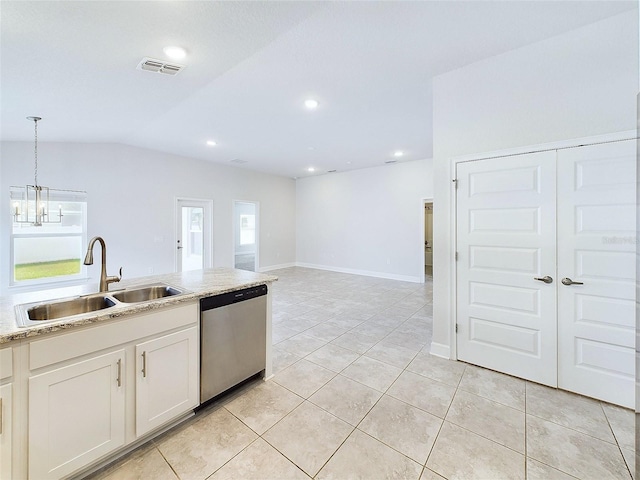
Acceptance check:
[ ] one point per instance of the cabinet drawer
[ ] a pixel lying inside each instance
(68, 345)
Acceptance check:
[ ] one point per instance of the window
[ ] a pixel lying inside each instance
(52, 252)
(247, 229)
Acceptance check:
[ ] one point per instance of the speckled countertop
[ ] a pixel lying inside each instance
(198, 283)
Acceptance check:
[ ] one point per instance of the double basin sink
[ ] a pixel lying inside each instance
(31, 314)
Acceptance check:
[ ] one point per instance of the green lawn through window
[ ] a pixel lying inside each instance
(31, 271)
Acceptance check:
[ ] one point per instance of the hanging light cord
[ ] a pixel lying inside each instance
(35, 173)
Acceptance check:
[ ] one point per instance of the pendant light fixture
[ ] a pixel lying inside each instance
(32, 203)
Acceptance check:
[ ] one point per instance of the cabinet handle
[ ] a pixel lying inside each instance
(546, 279)
(119, 379)
(144, 364)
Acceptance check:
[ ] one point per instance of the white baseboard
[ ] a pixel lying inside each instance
(440, 350)
(367, 273)
(276, 267)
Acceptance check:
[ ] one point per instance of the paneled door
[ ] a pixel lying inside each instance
(596, 270)
(506, 235)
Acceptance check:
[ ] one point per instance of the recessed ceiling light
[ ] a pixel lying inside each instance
(398, 153)
(211, 143)
(311, 104)
(176, 53)
(311, 169)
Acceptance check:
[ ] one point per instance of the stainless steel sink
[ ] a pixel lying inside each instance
(36, 313)
(67, 308)
(144, 294)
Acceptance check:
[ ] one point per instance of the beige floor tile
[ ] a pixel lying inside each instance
(264, 405)
(325, 332)
(145, 463)
(195, 452)
(495, 386)
(301, 344)
(259, 461)
(333, 357)
(569, 410)
(424, 393)
(408, 340)
(280, 333)
(461, 454)
(622, 421)
(308, 436)
(372, 373)
(430, 475)
(373, 330)
(540, 471)
(573, 452)
(357, 342)
(630, 459)
(346, 399)
(407, 429)
(392, 354)
(495, 421)
(440, 369)
(386, 320)
(303, 377)
(282, 359)
(345, 321)
(363, 457)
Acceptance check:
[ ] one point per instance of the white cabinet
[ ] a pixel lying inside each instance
(6, 412)
(166, 378)
(76, 415)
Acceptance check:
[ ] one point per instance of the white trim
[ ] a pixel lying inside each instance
(277, 267)
(440, 350)
(366, 273)
(572, 143)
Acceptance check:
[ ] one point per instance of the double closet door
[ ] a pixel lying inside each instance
(546, 248)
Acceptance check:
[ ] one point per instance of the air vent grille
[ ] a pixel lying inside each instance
(158, 66)
(239, 161)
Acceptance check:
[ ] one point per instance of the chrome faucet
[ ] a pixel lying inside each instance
(88, 260)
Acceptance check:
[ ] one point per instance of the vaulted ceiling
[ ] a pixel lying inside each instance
(249, 68)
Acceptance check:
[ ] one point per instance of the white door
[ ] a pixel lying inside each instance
(76, 415)
(506, 235)
(245, 241)
(193, 234)
(166, 378)
(596, 247)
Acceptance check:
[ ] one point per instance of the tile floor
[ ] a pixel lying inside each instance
(357, 395)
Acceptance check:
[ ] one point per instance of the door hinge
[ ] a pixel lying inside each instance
(456, 328)
(456, 256)
(455, 183)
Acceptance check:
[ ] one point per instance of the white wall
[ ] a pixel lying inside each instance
(575, 85)
(131, 202)
(368, 221)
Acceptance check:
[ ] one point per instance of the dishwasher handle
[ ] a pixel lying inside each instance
(230, 298)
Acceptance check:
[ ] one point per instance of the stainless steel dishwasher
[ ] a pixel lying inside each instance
(232, 339)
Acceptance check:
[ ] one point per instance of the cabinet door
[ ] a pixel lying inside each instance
(76, 415)
(5, 431)
(166, 378)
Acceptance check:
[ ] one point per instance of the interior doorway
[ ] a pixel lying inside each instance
(245, 228)
(193, 234)
(428, 239)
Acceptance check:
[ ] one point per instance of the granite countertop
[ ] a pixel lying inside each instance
(198, 284)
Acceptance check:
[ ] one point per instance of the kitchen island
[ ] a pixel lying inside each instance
(76, 393)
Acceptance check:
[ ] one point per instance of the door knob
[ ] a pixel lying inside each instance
(568, 281)
(545, 279)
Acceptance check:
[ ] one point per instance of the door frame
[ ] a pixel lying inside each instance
(423, 202)
(453, 212)
(207, 239)
(233, 232)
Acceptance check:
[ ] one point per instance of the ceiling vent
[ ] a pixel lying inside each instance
(238, 161)
(158, 66)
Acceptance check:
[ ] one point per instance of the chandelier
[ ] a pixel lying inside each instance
(32, 203)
